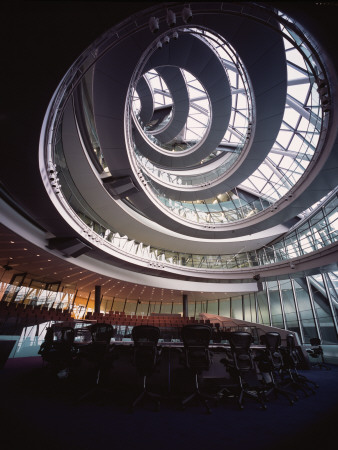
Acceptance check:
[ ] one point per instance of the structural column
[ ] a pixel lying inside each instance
(185, 305)
(97, 299)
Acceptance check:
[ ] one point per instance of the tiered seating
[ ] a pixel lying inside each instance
(15, 316)
(161, 321)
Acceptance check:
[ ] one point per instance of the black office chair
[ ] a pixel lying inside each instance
(216, 334)
(291, 363)
(196, 338)
(145, 358)
(271, 365)
(57, 350)
(241, 367)
(316, 352)
(98, 354)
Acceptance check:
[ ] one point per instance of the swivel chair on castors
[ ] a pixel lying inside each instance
(98, 354)
(57, 350)
(271, 366)
(196, 340)
(242, 367)
(316, 352)
(145, 358)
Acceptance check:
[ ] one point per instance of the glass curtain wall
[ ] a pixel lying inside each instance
(306, 305)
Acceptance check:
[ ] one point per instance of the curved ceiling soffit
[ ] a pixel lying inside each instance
(146, 98)
(207, 234)
(269, 88)
(173, 78)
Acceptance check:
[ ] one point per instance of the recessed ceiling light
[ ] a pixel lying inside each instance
(11, 242)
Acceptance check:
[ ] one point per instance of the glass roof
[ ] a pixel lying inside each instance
(282, 168)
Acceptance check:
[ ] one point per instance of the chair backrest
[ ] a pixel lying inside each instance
(58, 344)
(145, 334)
(315, 342)
(196, 335)
(272, 340)
(60, 335)
(145, 339)
(290, 341)
(102, 332)
(317, 349)
(240, 342)
(196, 338)
(290, 354)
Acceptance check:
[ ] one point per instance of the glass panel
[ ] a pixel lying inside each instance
(262, 305)
(212, 306)
(191, 309)
(275, 306)
(105, 304)
(166, 308)
(332, 283)
(224, 307)
(118, 305)
(154, 307)
(236, 307)
(14, 288)
(130, 307)
(290, 313)
(249, 307)
(142, 308)
(178, 308)
(305, 310)
(323, 310)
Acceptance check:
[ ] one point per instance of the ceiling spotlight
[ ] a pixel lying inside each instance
(292, 266)
(159, 45)
(186, 14)
(166, 40)
(171, 18)
(154, 24)
(175, 35)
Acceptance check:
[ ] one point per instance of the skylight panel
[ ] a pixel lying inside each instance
(286, 162)
(291, 117)
(240, 121)
(299, 92)
(295, 57)
(242, 102)
(284, 138)
(233, 78)
(287, 44)
(276, 159)
(296, 143)
(294, 74)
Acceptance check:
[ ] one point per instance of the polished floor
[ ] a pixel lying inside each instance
(42, 412)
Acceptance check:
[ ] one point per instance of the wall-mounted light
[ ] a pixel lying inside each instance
(186, 14)
(171, 18)
(154, 24)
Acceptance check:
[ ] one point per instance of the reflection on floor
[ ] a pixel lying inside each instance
(40, 410)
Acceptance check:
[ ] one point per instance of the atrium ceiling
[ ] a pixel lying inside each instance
(223, 142)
